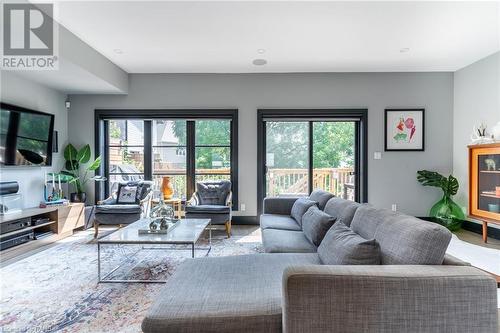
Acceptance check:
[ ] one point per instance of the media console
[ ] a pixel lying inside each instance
(34, 227)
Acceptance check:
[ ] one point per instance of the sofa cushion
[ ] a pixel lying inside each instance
(202, 209)
(224, 294)
(286, 241)
(341, 209)
(315, 224)
(282, 222)
(300, 206)
(118, 209)
(321, 197)
(342, 246)
(403, 239)
(278, 205)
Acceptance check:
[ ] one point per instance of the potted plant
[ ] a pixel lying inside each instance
(75, 160)
(445, 211)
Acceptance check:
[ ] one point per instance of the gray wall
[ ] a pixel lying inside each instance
(391, 180)
(19, 91)
(476, 100)
(76, 51)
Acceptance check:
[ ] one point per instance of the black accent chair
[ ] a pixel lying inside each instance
(212, 200)
(109, 212)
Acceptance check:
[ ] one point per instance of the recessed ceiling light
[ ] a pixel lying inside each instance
(118, 51)
(404, 50)
(261, 51)
(259, 62)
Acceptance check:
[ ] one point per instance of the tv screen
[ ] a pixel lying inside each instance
(25, 136)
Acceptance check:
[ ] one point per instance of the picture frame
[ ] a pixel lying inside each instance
(404, 129)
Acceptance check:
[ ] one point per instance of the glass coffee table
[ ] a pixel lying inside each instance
(186, 234)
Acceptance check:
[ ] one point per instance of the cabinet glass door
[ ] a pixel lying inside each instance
(488, 182)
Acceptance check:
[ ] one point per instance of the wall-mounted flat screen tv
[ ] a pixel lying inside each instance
(25, 136)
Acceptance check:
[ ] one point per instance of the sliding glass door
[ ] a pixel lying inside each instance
(299, 153)
(291, 144)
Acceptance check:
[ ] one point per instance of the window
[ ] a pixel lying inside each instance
(125, 151)
(212, 149)
(169, 153)
(187, 146)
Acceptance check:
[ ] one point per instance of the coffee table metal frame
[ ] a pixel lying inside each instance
(145, 241)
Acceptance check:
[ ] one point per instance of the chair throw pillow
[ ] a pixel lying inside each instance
(342, 246)
(300, 206)
(127, 193)
(315, 224)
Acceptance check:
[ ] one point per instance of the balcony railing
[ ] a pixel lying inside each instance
(284, 182)
(339, 181)
(178, 177)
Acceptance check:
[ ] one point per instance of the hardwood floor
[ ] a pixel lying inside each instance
(476, 239)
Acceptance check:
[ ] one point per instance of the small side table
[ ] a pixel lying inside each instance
(176, 204)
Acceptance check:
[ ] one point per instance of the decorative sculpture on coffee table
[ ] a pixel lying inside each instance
(161, 215)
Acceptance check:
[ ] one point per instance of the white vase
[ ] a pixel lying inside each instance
(495, 131)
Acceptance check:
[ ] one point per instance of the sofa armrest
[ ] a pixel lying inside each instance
(408, 298)
(278, 205)
(111, 200)
(194, 200)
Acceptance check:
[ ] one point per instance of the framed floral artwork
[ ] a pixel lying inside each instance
(404, 129)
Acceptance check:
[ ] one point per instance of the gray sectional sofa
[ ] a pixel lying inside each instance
(415, 289)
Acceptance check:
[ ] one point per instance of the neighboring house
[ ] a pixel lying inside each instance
(166, 157)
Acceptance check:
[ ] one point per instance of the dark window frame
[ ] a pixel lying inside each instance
(100, 141)
(360, 116)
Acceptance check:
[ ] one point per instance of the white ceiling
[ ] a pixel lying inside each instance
(223, 37)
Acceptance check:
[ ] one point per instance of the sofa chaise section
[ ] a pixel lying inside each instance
(224, 294)
(417, 288)
(294, 293)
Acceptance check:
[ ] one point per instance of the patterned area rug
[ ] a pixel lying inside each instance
(56, 290)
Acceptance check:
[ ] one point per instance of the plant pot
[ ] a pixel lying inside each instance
(448, 213)
(78, 197)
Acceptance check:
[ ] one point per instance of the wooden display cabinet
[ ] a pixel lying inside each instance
(484, 184)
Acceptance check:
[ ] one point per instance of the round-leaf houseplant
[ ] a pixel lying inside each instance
(77, 169)
(446, 211)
